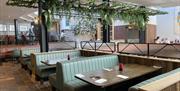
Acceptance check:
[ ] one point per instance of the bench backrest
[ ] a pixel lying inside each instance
(62, 55)
(66, 70)
(28, 51)
(159, 83)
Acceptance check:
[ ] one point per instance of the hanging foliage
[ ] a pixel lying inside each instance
(138, 16)
(84, 26)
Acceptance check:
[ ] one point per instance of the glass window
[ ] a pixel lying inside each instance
(23, 28)
(2, 27)
(12, 28)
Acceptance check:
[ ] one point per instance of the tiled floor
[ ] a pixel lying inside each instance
(14, 78)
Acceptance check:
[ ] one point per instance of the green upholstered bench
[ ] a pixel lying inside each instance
(42, 71)
(64, 79)
(160, 83)
(25, 56)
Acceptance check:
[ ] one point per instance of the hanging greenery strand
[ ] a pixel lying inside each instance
(138, 16)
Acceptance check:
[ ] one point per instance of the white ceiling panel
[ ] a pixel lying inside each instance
(8, 13)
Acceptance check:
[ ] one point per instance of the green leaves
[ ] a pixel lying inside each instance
(137, 16)
(48, 18)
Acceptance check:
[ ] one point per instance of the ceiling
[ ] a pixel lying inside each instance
(8, 13)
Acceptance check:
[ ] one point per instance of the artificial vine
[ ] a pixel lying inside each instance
(138, 16)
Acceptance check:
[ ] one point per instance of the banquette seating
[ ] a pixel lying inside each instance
(25, 56)
(169, 81)
(41, 70)
(64, 79)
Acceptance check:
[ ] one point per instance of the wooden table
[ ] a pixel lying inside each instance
(50, 63)
(27, 55)
(130, 70)
(53, 62)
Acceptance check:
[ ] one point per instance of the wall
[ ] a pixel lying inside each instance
(121, 30)
(12, 32)
(166, 24)
(63, 23)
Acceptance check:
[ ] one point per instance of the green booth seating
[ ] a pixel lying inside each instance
(42, 71)
(25, 56)
(64, 79)
(15, 54)
(169, 80)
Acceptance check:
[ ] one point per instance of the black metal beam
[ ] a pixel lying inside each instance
(16, 31)
(142, 36)
(43, 30)
(106, 29)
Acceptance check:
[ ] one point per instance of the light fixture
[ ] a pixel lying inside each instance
(30, 16)
(23, 18)
(36, 19)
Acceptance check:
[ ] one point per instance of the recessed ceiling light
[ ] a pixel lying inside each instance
(36, 13)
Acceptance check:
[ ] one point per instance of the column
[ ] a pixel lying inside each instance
(16, 31)
(43, 30)
(106, 29)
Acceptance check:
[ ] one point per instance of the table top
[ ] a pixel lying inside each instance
(52, 62)
(49, 63)
(107, 77)
(27, 55)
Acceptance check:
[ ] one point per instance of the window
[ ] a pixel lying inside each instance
(12, 28)
(23, 28)
(2, 27)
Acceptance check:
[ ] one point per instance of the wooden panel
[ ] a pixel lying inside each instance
(150, 33)
(174, 87)
(167, 64)
(88, 53)
(121, 32)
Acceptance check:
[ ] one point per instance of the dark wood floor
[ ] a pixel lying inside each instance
(14, 78)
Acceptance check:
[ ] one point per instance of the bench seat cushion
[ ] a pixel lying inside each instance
(45, 71)
(25, 61)
(78, 85)
(136, 87)
(29, 66)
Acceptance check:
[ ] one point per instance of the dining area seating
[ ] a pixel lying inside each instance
(25, 59)
(39, 62)
(169, 81)
(88, 74)
(65, 71)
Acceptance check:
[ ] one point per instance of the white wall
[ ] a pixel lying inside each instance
(166, 24)
(63, 24)
(152, 20)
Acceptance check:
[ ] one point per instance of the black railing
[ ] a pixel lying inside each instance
(164, 50)
(132, 48)
(65, 45)
(98, 46)
(150, 49)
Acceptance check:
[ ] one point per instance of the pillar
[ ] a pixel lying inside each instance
(16, 31)
(44, 47)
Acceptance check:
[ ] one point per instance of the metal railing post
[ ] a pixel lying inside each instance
(118, 47)
(148, 49)
(95, 46)
(81, 44)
